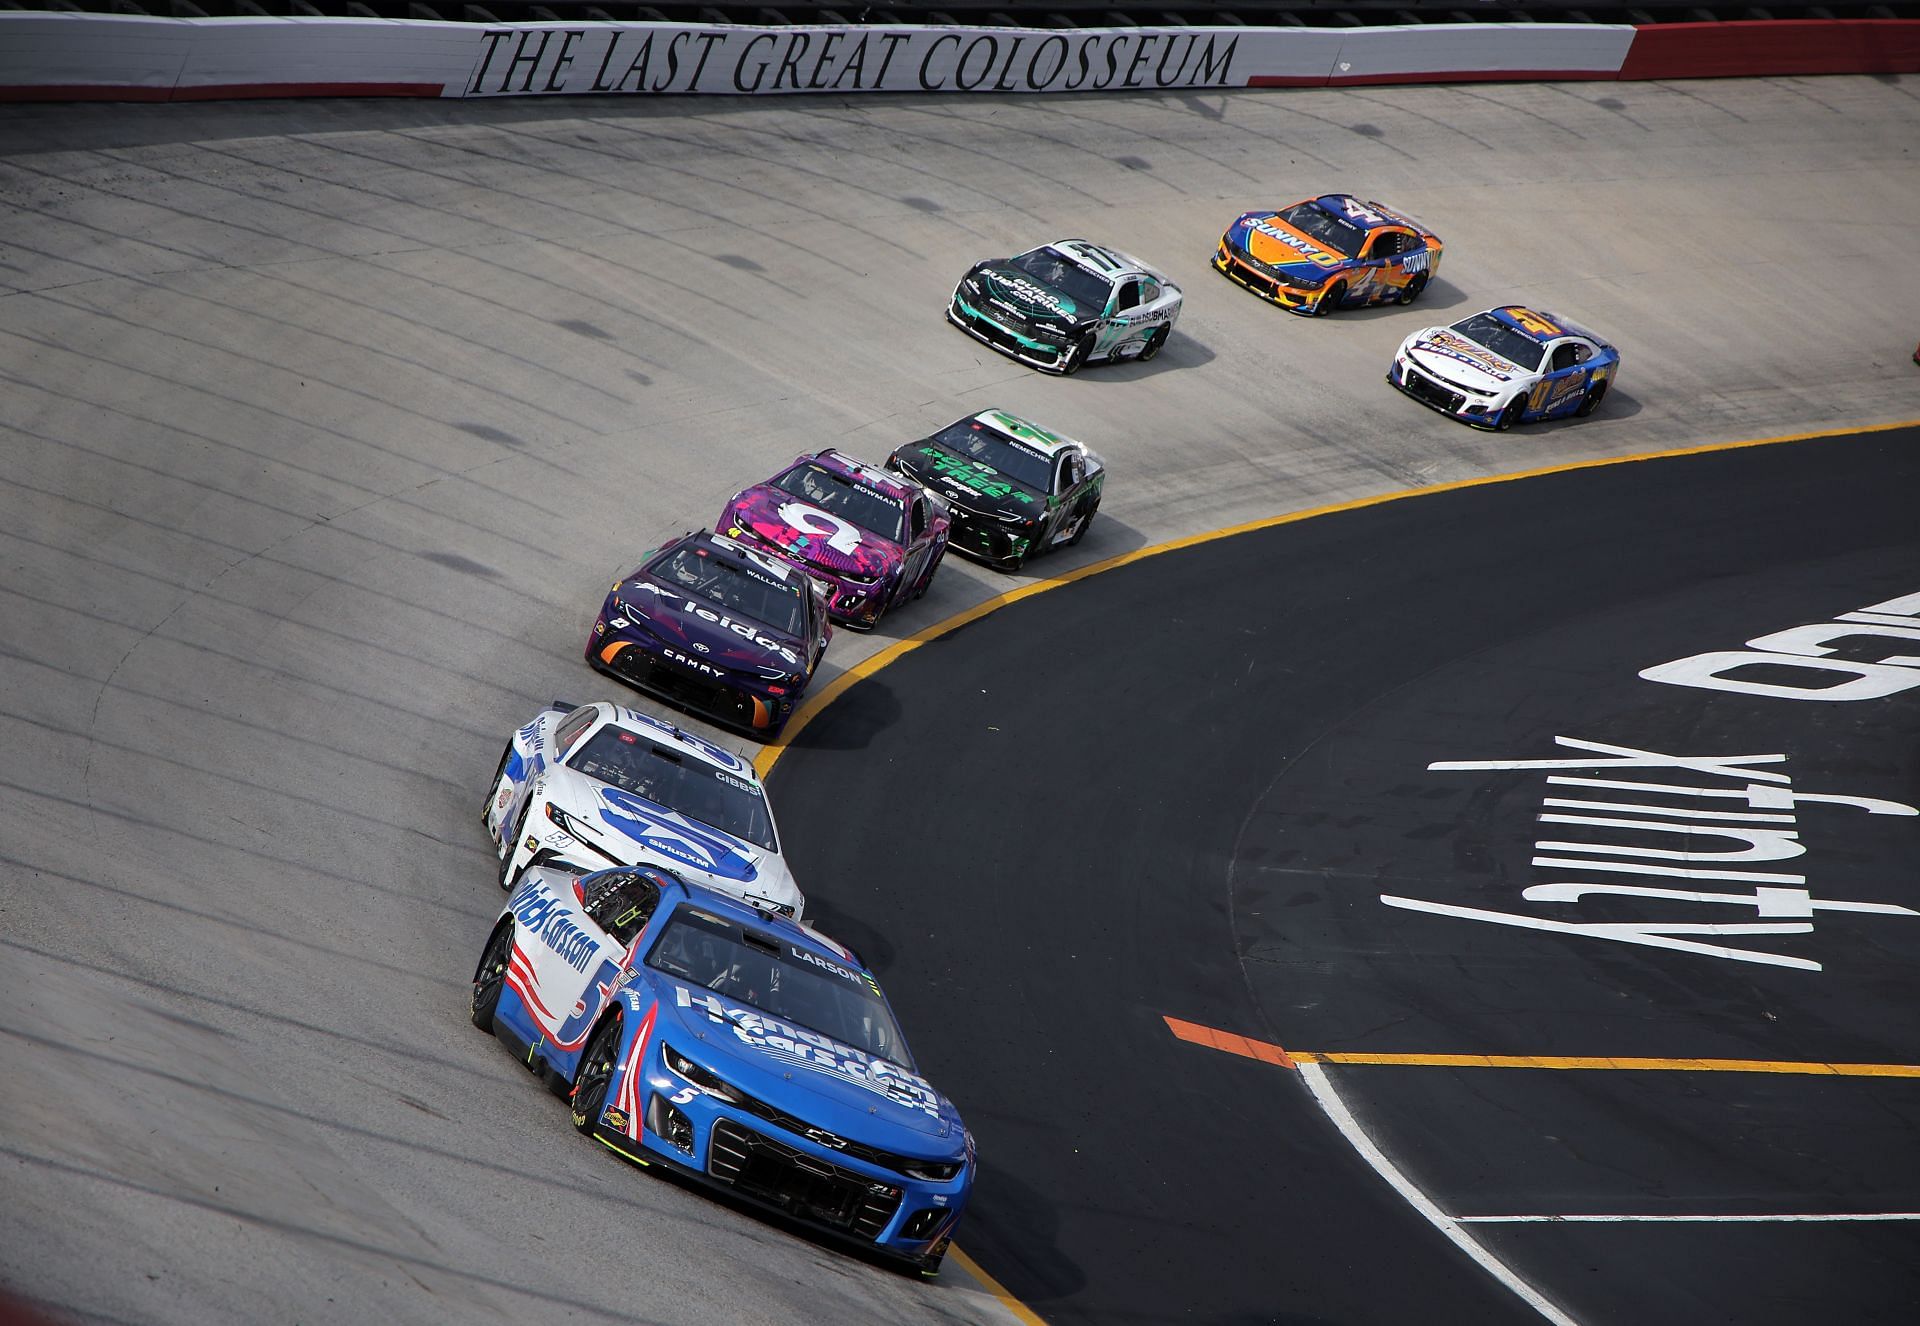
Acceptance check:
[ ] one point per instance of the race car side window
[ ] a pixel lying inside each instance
(573, 726)
(1072, 471)
(1128, 296)
(919, 516)
(1565, 356)
(1149, 290)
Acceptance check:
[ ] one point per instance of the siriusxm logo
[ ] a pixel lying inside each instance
(677, 839)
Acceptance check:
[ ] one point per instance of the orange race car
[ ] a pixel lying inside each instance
(1329, 253)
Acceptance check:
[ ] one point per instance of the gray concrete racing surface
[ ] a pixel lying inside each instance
(325, 427)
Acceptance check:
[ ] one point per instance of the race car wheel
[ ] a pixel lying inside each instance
(1508, 417)
(490, 977)
(595, 1075)
(1591, 401)
(926, 577)
(512, 841)
(1154, 342)
(1331, 300)
(1080, 530)
(486, 806)
(1413, 289)
(1078, 356)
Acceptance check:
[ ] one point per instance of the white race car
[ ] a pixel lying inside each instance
(1506, 366)
(599, 785)
(1067, 304)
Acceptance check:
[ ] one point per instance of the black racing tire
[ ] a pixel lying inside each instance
(1591, 401)
(1508, 417)
(589, 1094)
(1413, 289)
(512, 843)
(490, 977)
(1077, 357)
(1331, 300)
(1085, 521)
(1154, 342)
(926, 577)
(486, 804)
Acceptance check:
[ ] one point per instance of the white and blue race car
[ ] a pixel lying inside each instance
(1506, 366)
(599, 785)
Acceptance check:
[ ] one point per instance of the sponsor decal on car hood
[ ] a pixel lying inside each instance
(712, 634)
(1275, 243)
(1448, 354)
(672, 837)
(1027, 296)
(971, 485)
(865, 1096)
(817, 539)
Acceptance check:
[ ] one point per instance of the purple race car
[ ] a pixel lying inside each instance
(874, 539)
(716, 628)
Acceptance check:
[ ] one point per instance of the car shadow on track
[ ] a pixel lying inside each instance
(1181, 351)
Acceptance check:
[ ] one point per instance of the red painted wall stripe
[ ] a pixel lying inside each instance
(1774, 46)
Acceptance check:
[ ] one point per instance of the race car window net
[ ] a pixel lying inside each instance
(841, 497)
(689, 787)
(813, 990)
(1331, 231)
(1503, 340)
(1056, 270)
(975, 441)
(756, 596)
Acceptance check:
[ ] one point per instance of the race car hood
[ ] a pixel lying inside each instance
(709, 631)
(833, 1086)
(638, 830)
(1027, 297)
(1448, 355)
(1273, 243)
(808, 534)
(969, 484)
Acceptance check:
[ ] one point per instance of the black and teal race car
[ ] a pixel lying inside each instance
(1065, 305)
(1014, 489)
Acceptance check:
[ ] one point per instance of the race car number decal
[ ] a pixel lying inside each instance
(839, 534)
(1533, 322)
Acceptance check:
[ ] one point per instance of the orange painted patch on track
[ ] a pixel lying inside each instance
(1269, 1053)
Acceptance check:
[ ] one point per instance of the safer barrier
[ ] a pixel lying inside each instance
(73, 56)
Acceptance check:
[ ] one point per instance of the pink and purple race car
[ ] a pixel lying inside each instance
(874, 539)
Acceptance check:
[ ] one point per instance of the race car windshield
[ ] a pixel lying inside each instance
(975, 441)
(1326, 229)
(676, 782)
(1501, 339)
(745, 591)
(1065, 275)
(800, 985)
(841, 497)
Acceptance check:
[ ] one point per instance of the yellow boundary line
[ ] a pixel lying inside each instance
(819, 700)
(1266, 1052)
(840, 685)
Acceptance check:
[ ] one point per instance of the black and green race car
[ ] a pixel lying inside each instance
(1015, 489)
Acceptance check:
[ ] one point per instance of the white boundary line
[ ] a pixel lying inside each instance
(1336, 1109)
(1679, 1219)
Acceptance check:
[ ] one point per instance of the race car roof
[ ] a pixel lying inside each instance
(1366, 213)
(1043, 440)
(1542, 327)
(1108, 264)
(890, 484)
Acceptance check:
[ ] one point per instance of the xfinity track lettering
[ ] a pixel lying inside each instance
(1799, 663)
(1709, 838)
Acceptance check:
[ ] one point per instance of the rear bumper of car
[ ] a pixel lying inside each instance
(1247, 277)
(723, 1147)
(728, 700)
(1043, 355)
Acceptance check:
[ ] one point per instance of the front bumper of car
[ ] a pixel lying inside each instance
(773, 1160)
(1019, 342)
(1244, 272)
(745, 702)
(1448, 398)
(1002, 544)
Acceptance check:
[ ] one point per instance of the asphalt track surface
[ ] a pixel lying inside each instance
(326, 425)
(1200, 823)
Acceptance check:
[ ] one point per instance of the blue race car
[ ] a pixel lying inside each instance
(716, 628)
(737, 1048)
